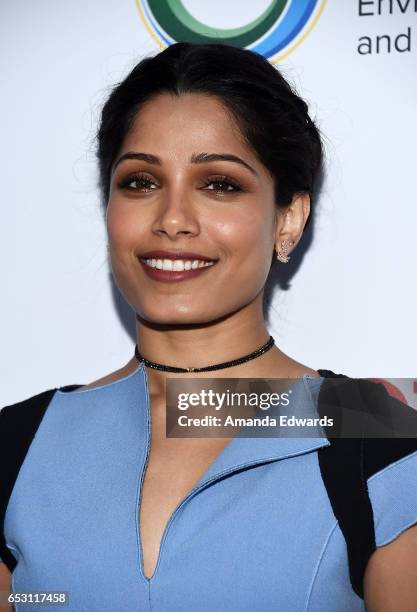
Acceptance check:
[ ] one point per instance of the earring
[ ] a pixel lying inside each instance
(282, 253)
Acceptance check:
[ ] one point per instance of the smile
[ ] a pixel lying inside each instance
(177, 265)
(171, 270)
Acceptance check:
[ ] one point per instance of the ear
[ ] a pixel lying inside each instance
(290, 221)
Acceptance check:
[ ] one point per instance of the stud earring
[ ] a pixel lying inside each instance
(282, 253)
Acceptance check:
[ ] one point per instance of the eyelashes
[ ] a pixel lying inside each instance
(226, 183)
(223, 184)
(141, 179)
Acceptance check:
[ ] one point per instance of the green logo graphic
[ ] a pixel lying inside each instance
(277, 30)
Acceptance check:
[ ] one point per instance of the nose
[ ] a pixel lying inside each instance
(176, 215)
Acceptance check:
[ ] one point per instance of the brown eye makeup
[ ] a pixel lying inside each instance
(220, 183)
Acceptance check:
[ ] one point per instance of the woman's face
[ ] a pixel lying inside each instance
(171, 193)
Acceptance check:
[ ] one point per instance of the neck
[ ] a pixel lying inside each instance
(207, 344)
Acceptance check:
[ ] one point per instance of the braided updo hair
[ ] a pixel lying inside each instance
(272, 117)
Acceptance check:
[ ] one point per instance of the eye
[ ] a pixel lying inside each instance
(138, 182)
(222, 184)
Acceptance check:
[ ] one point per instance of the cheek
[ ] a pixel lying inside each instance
(249, 237)
(123, 228)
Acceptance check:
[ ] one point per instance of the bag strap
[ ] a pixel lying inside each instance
(341, 466)
(347, 463)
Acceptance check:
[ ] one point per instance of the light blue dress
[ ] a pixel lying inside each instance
(256, 533)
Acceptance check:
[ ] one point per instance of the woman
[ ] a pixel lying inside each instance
(209, 164)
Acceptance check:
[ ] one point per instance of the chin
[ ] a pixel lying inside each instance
(179, 317)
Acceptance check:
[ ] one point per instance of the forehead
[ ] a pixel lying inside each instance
(186, 123)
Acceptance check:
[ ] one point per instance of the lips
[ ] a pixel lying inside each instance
(169, 276)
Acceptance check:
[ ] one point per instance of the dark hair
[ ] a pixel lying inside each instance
(272, 117)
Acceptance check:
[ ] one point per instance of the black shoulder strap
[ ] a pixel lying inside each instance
(18, 425)
(341, 466)
(347, 464)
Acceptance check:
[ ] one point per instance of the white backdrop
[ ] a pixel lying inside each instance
(352, 303)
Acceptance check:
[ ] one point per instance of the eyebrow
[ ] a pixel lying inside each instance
(196, 158)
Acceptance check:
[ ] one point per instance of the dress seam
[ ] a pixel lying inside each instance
(318, 564)
(391, 466)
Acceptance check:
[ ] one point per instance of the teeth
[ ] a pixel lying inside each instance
(177, 265)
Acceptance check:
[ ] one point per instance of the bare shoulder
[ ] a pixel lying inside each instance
(310, 372)
(288, 367)
(295, 369)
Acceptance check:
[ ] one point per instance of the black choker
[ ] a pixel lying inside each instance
(219, 366)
